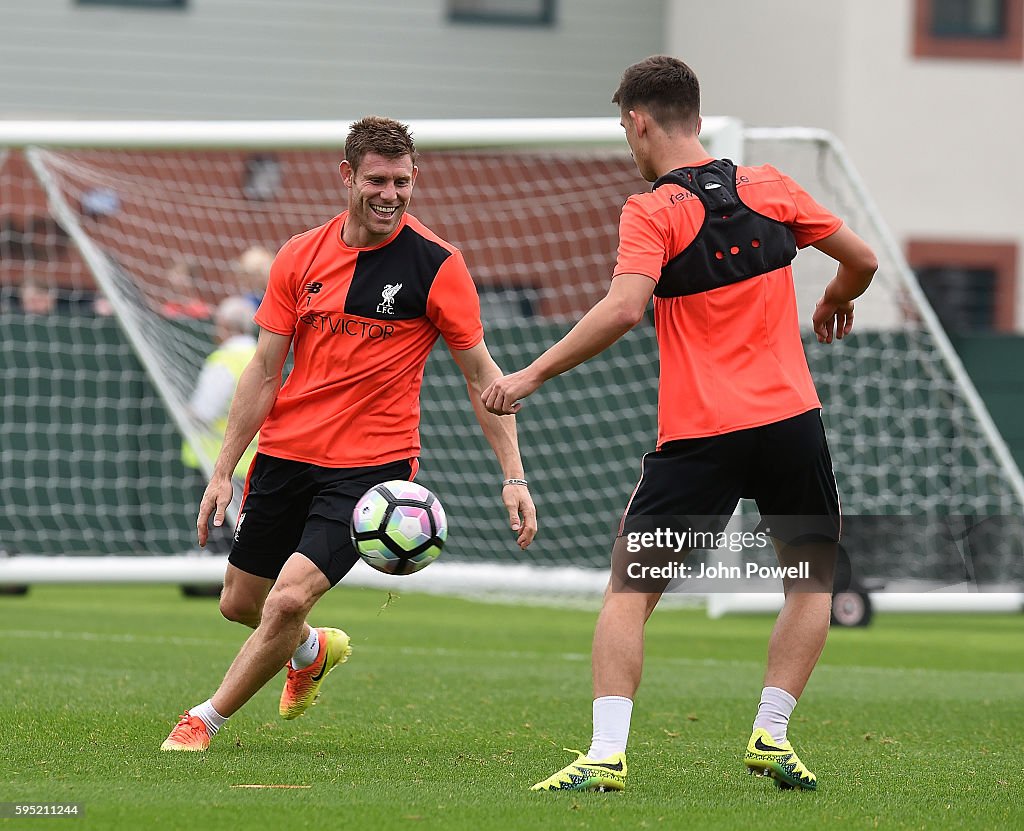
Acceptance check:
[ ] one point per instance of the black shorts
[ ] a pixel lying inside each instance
(299, 507)
(784, 467)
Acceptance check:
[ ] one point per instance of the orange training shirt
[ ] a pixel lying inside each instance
(362, 323)
(731, 357)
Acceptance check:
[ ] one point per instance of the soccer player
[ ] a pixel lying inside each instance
(738, 415)
(360, 301)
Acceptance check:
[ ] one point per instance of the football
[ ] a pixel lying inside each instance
(399, 527)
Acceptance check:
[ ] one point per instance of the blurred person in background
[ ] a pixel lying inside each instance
(253, 266)
(37, 297)
(182, 281)
(234, 334)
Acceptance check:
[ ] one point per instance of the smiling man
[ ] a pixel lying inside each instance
(360, 301)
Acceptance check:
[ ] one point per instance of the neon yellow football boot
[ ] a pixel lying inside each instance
(588, 775)
(778, 760)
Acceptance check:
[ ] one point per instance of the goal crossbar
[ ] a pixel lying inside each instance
(254, 135)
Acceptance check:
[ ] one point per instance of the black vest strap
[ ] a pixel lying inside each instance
(735, 242)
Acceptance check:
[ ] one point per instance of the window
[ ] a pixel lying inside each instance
(959, 19)
(969, 29)
(522, 12)
(971, 286)
(142, 4)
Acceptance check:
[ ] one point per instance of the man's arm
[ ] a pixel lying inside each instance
(610, 318)
(857, 265)
(253, 400)
(480, 370)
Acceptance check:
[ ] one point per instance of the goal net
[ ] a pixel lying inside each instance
(931, 495)
(138, 243)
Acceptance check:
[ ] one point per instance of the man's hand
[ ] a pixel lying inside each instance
(215, 501)
(831, 318)
(502, 396)
(522, 514)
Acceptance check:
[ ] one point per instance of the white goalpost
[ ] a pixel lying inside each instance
(148, 220)
(913, 439)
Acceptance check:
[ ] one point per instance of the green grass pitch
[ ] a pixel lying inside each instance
(449, 710)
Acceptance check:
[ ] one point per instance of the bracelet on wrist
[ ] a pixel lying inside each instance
(522, 482)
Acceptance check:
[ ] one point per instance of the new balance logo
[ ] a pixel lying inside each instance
(387, 299)
(711, 186)
(314, 288)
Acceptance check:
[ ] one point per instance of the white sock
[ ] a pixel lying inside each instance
(774, 711)
(307, 651)
(611, 726)
(210, 717)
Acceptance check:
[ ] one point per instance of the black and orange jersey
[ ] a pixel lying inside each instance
(362, 323)
(725, 306)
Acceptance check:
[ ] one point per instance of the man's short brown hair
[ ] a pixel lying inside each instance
(376, 134)
(665, 86)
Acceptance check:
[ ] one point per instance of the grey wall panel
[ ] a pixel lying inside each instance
(314, 59)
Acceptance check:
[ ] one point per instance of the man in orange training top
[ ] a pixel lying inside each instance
(738, 415)
(360, 301)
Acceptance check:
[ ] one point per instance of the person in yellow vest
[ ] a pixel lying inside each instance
(215, 387)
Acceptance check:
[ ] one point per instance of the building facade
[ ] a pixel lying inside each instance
(923, 93)
(239, 59)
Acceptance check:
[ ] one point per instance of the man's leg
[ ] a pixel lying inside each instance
(242, 602)
(243, 596)
(795, 488)
(796, 643)
(617, 662)
(802, 626)
(278, 617)
(618, 653)
(691, 477)
(281, 626)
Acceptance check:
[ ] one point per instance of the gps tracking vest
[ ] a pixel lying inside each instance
(735, 242)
